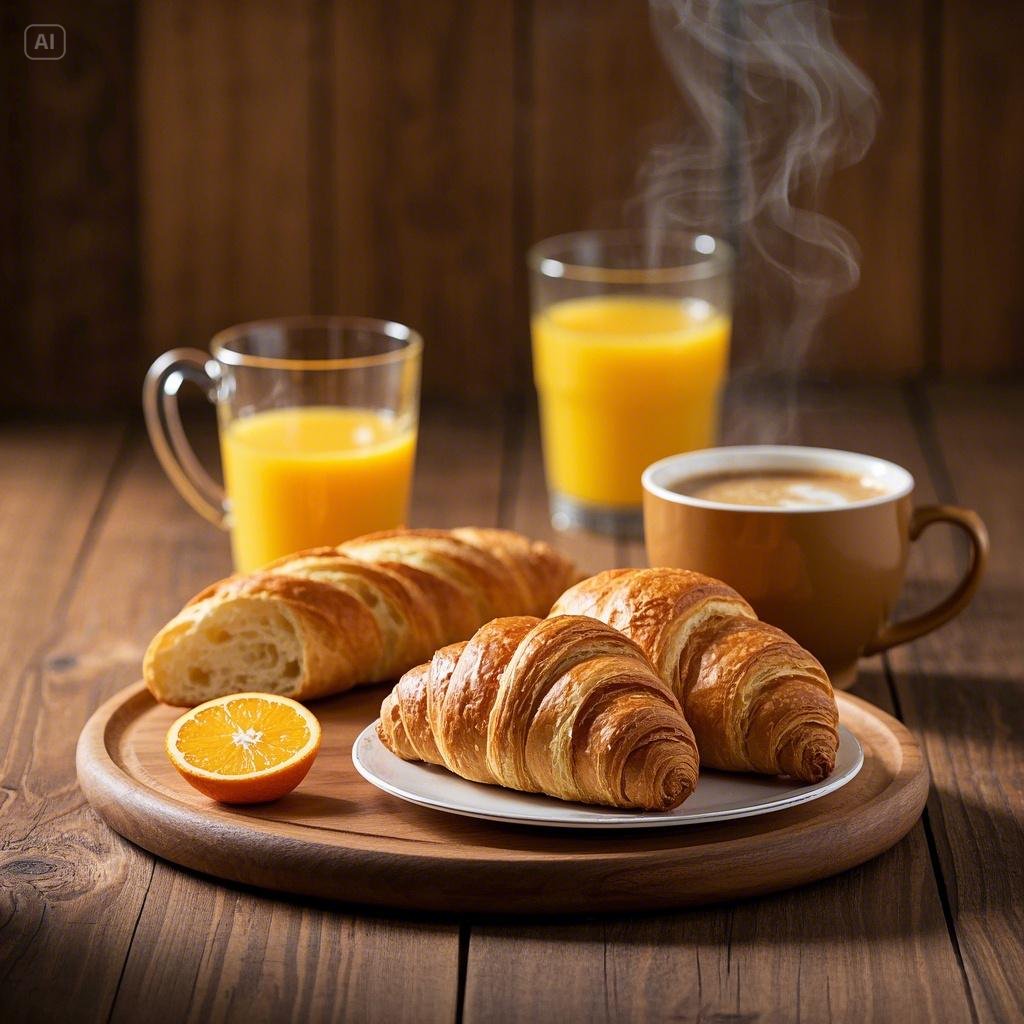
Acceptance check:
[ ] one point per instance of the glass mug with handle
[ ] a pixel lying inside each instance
(317, 419)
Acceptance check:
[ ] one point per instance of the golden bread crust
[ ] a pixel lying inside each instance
(756, 700)
(566, 706)
(362, 612)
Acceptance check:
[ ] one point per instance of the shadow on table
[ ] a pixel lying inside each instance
(896, 895)
(971, 694)
(307, 806)
(973, 706)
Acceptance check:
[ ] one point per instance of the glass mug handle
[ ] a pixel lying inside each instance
(895, 633)
(163, 421)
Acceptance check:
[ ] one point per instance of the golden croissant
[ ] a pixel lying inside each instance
(565, 706)
(755, 699)
(322, 621)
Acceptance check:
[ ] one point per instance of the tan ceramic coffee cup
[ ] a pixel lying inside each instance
(829, 576)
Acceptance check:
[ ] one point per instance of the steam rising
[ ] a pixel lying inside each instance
(775, 107)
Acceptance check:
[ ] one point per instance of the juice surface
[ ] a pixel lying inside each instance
(624, 381)
(301, 477)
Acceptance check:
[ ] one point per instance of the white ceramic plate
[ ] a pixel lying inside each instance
(719, 796)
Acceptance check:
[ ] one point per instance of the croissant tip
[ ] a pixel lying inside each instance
(673, 789)
(676, 797)
(817, 765)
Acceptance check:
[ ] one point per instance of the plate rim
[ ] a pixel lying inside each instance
(645, 820)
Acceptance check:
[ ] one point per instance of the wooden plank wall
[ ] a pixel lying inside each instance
(69, 284)
(981, 216)
(188, 166)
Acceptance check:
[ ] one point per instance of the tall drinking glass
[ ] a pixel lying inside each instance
(317, 423)
(630, 351)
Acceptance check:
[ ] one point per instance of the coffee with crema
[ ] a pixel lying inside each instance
(781, 489)
(815, 539)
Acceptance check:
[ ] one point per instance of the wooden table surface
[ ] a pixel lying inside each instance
(97, 552)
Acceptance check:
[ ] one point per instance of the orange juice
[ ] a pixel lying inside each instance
(301, 477)
(624, 381)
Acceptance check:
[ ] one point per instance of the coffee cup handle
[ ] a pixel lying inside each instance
(163, 421)
(895, 633)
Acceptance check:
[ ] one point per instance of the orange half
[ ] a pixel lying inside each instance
(246, 748)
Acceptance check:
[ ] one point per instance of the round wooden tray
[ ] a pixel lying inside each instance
(338, 837)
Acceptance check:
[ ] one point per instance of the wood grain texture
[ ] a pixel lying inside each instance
(878, 329)
(962, 690)
(527, 506)
(335, 157)
(870, 944)
(960, 687)
(57, 871)
(812, 954)
(188, 166)
(596, 97)
(69, 284)
(51, 481)
(420, 103)
(339, 838)
(212, 953)
(982, 211)
(460, 461)
(600, 96)
(777, 958)
(204, 951)
(71, 892)
(223, 165)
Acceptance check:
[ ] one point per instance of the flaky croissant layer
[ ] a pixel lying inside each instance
(565, 706)
(755, 699)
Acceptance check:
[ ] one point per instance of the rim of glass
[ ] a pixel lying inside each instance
(717, 258)
(220, 345)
